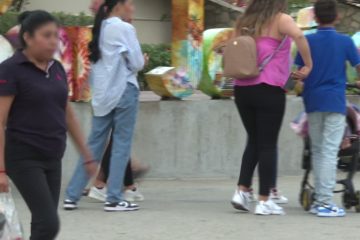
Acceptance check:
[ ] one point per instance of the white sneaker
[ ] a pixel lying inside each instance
(133, 195)
(241, 201)
(98, 194)
(268, 208)
(278, 198)
(252, 196)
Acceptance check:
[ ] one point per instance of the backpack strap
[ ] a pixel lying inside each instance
(269, 58)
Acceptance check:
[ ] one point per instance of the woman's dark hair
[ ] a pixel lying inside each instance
(326, 11)
(30, 21)
(102, 13)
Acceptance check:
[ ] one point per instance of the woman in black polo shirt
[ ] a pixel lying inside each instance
(35, 116)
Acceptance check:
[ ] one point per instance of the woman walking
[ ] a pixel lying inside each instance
(117, 58)
(261, 100)
(35, 116)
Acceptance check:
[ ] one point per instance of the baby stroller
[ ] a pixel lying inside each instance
(348, 160)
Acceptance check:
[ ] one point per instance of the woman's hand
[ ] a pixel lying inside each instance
(4, 183)
(90, 164)
(302, 73)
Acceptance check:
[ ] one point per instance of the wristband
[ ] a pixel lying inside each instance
(89, 162)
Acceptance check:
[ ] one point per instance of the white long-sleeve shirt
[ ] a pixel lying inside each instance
(121, 60)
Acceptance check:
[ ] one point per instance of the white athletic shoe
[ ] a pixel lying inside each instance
(241, 201)
(98, 194)
(133, 195)
(277, 197)
(268, 208)
(252, 196)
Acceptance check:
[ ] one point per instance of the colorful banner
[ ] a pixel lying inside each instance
(187, 40)
(4, 5)
(73, 53)
(212, 81)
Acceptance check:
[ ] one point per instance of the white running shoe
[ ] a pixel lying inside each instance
(314, 209)
(252, 196)
(268, 208)
(133, 195)
(98, 194)
(241, 201)
(277, 197)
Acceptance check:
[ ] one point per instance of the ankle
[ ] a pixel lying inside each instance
(243, 188)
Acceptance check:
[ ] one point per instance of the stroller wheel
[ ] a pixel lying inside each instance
(306, 198)
(357, 207)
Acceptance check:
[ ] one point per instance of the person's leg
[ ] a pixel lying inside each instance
(105, 163)
(129, 179)
(248, 117)
(334, 127)
(39, 188)
(53, 176)
(269, 117)
(123, 129)
(316, 128)
(97, 141)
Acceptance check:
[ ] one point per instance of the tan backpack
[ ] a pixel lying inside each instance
(240, 58)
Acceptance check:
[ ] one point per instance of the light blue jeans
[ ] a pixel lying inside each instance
(326, 134)
(122, 122)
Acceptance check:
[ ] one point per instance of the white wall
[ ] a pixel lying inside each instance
(147, 19)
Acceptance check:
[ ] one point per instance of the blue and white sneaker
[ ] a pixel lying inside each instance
(330, 211)
(314, 209)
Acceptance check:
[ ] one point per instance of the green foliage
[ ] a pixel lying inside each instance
(9, 19)
(160, 55)
(296, 5)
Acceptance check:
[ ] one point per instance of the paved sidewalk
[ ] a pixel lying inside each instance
(199, 210)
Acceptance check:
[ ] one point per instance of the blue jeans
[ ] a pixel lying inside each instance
(326, 133)
(122, 122)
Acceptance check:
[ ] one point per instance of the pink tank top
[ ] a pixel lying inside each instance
(277, 72)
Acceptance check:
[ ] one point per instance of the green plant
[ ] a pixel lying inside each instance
(9, 19)
(159, 55)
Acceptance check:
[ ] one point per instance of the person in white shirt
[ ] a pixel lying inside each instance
(116, 58)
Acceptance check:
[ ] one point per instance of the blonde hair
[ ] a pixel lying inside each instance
(259, 15)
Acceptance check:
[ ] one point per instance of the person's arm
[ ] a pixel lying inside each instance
(287, 26)
(5, 105)
(124, 35)
(76, 134)
(134, 55)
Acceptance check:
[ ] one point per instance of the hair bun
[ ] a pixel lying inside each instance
(23, 16)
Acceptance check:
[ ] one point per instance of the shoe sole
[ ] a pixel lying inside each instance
(329, 215)
(111, 209)
(280, 202)
(69, 208)
(239, 207)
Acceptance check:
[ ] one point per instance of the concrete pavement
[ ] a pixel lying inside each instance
(199, 210)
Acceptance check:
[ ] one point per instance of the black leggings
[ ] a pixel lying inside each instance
(105, 167)
(261, 109)
(38, 179)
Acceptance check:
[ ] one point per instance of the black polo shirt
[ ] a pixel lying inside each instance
(37, 116)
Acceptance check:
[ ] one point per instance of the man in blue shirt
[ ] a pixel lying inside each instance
(325, 102)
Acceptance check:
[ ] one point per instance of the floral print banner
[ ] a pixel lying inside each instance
(4, 5)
